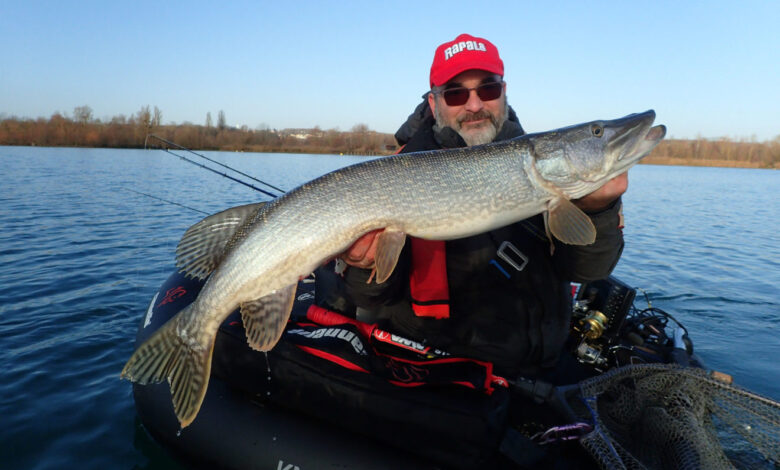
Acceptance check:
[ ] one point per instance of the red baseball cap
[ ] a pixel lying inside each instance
(466, 52)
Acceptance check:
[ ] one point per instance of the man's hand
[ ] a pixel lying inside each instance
(601, 198)
(362, 253)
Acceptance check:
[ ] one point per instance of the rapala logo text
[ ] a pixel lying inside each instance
(463, 46)
(339, 333)
(289, 466)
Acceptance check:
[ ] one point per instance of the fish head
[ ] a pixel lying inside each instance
(579, 159)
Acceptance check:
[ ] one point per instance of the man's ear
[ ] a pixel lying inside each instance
(432, 103)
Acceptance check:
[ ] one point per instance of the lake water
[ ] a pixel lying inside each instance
(81, 256)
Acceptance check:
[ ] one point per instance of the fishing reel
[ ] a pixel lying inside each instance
(607, 331)
(599, 311)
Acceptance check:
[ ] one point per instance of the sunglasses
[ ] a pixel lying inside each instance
(458, 96)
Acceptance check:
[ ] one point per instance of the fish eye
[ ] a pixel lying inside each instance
(596, 130)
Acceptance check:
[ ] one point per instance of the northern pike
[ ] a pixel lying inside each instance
(254, 255)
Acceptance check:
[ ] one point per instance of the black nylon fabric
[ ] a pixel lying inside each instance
(451, 425)
(460, 428)
(453, 428)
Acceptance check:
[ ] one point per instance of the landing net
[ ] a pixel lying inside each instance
(660, 416)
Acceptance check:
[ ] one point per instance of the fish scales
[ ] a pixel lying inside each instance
(303, 228)
(438, 195)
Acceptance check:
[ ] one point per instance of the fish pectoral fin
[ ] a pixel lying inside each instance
(547, 232)
(388, 249)
(265, 318)
(569, 224)
(204, 245)
(183, 361)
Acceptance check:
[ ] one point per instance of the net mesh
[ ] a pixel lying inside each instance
(660, 416)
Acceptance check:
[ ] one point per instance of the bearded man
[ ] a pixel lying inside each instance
(499, 296)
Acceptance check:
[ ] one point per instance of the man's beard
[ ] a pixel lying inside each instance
(475, 136)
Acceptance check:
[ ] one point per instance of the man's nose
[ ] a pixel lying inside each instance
(474, 104)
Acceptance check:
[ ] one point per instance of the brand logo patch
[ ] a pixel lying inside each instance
(464, 46)
(406, 373)
(305, 296)
(149, 311)
(173, 294)
(340, 333)
(288, 466)
(399, 341)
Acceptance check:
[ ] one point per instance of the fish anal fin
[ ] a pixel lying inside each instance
(569, 224)
(388, 249)
(186, 364)
(265, 318)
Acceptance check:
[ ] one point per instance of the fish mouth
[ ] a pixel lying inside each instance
(634, 137)
(656, 133)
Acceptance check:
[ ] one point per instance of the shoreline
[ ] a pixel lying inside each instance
(705, 162)
(648, 160)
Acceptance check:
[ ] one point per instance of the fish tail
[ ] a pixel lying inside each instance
(186, 365)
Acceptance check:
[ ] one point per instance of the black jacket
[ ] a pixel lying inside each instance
(519, 320)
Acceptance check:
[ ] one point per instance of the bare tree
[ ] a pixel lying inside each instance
(221, 120)
(144, 117)
(82, 114)
(157, 118)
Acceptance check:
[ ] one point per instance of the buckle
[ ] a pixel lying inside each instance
(513, 256)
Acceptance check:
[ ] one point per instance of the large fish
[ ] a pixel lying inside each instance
(256, 254)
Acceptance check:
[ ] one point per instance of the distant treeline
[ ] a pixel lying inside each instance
(82, 130)
(719, 152)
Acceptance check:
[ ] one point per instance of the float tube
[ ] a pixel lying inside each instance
(251, 416)
(335, 393)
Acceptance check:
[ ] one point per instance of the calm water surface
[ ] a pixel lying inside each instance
(81, 256)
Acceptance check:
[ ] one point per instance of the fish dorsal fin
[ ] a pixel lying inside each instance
(265, 318)
(205, 244)
(388, 248)
(569, 224)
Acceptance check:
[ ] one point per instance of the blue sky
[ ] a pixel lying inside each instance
(709, 69)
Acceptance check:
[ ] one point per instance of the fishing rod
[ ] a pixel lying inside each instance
(165, 200)
(174, 144)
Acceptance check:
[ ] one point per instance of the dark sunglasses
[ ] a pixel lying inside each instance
(460, 95)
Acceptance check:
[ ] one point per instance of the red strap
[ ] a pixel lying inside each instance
(428, 279)
(437, 367)
(326, 317)
(332, 358)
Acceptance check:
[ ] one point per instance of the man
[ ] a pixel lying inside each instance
(501, 296)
